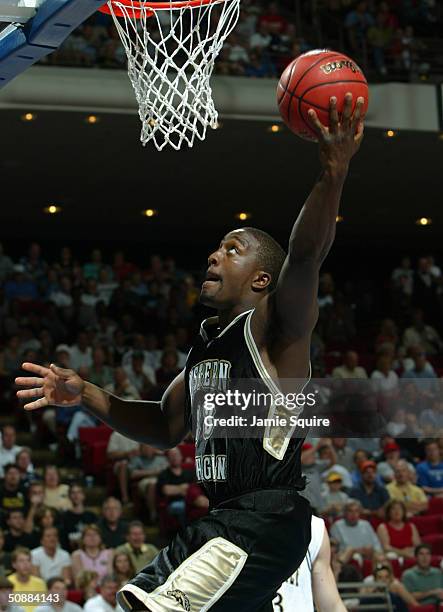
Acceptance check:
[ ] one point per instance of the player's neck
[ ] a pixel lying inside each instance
(227, 316)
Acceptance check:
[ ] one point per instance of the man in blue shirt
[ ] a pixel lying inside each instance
(430, 471)
(369, 493)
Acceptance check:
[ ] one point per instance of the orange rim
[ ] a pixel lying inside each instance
(136, 9)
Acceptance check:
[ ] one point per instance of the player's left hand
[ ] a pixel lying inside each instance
(341, 140)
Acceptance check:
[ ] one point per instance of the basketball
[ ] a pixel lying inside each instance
(310, 80)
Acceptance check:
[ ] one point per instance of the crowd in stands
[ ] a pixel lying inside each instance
(389, 38)
(127, 326)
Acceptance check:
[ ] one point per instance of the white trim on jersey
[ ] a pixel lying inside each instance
(296, 592)
(212, 321)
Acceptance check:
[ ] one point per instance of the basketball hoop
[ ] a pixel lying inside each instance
(171, 49)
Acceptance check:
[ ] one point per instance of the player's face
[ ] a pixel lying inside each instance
(232, 269)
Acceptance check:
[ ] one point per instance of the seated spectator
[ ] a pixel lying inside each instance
(197, 504)
(81, 353)
(350, 367)
(398, 536)
(49, 560)
(399, 596)
(430, 471)
(105, 601)
(144, 470)
(5, 557)
(423, 582)
(335, 499)
(121, 385)
(402, 489)
(397, 425)
(91, 556)
(379, 37)
(168, 370)
(141, 376)
(36, 494)
(56, 494)
(57, 601)
(16, 534)
(386, 468)
(100, 374)
(344, 454)
(119, 451)
(87, 583)
(259, 65)
(368, 492)
(6, 597)
(24, 464)
(353, 534)
(173, 484)
(261, 39)
(431, 419)
(22, 579)
(273, 18)
(421, 334)
(312, 468)
(424, 380)
(113, 528)
(12, 493)
(388, 334)
(75, 519)
(8, 447)
(327, 456)
(45, 517)
(357, 22)
(122, 568)
(140, 553)
(384, 377)
(360, 455)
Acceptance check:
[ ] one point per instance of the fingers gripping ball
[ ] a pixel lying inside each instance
(310, 81)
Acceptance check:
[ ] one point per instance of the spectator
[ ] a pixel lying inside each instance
(421, 334)
(105, 601)
(91, 556)
(350, 367)
(141, 376)
(403, 279)
(16, 535)
(113, 528)
(8, 448)
(388, 335)
(402, 489)
(431, 419)
(57, 600)
(273, 19)
(24, 464)
(81, 353)
(261, 39)
(168, 370)
(87, 583)
(386, 380)
(424, 380)
(45, 517)
(357, 23)
(121, 386)
(398, 536)
(140, 553)
(100, 374)
(327, 456)
(35, 498)
(22, 579)
(400, 598)
(49, 560)
(430, 471)
(423, 582)
(12, 494)
(122, 568)
(386, 468)
(173, 484)
(119, 451)
(144, 470)
(397, 425)
(343, 453)
(371, 495)
(312, 469)
(74, 520)
(6, 589)
(354, 535)
(379, 38)
(56, 494)
(335, 498)
(197, 504)
(5, 557)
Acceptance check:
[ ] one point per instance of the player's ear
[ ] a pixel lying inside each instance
(261, 280)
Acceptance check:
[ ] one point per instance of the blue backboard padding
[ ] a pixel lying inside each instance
(56, 19)
(16, 54)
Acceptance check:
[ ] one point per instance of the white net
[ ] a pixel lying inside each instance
(171, 54)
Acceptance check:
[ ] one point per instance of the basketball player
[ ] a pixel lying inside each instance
(258, 529)
(314, 580)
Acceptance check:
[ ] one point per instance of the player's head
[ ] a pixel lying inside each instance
(243, 269)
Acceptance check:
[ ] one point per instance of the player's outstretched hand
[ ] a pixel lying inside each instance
(341, 140)
(51, 386)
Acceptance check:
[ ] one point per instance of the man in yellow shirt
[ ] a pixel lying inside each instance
(24, 582)
(402, 489)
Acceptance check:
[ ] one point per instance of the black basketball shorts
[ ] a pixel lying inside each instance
(232, 560)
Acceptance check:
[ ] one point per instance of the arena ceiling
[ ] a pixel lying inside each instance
(102, 178)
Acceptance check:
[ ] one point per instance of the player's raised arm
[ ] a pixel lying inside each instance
(160, 424)
(295, 300)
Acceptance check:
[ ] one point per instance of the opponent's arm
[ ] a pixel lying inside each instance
(324, 587)
(292, 309)
(160, 424)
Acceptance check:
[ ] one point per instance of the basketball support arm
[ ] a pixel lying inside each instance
(22, 45)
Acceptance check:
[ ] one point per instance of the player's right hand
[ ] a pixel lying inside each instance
(51, 386)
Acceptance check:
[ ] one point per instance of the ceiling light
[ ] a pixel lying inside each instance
(390, 133)
(339, 218)
(52, 209)
(243, 216)
(149, 212)
(423, 221)
(275, 128)
(92, 119)
(28, 117)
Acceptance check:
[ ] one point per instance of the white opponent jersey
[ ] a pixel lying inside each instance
(296, 592)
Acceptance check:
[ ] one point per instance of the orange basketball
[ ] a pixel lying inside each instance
(309, 82)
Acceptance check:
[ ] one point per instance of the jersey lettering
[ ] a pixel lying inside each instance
(210, 468)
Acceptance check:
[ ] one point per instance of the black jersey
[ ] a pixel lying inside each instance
(229, 467)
